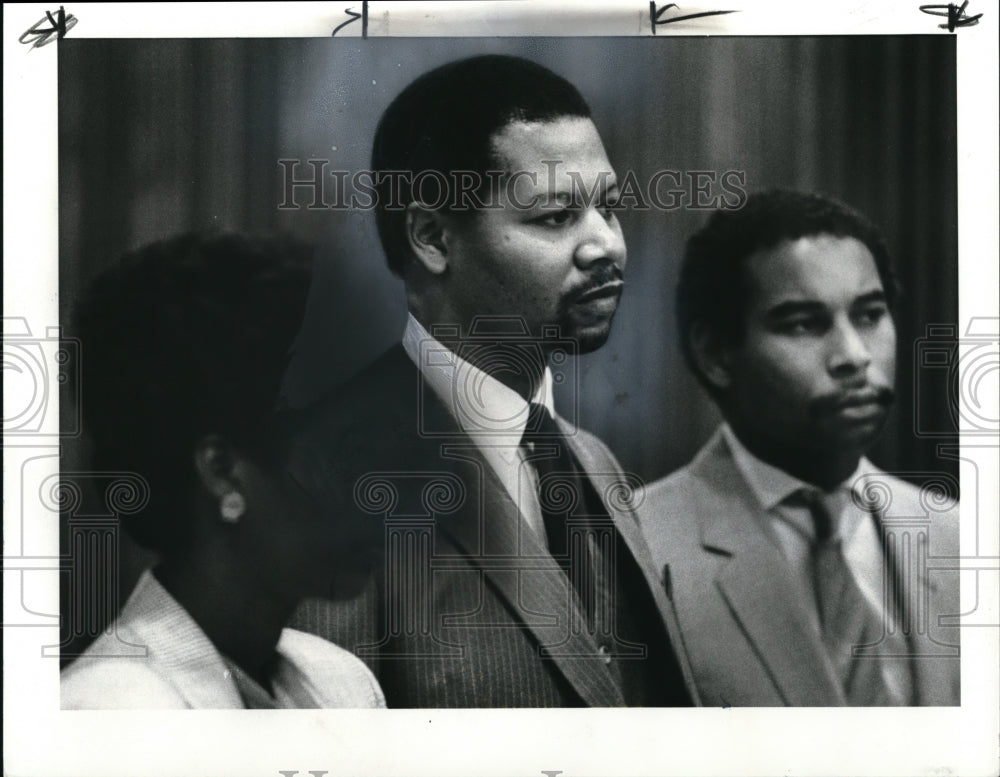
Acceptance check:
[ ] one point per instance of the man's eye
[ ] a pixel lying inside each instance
(872, 315)
(610, 209)
(556, 218)
(801, 326)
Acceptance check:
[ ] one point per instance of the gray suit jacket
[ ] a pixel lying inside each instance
(751, 642)
(464, 608)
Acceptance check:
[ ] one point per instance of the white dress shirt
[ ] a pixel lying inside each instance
(491, 413)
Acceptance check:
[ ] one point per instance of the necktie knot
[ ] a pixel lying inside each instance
(823, 512)
(540, 426)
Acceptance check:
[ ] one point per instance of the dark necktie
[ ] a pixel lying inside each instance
(576, 523)
(612, 599)
(559, 480)
(847, 619)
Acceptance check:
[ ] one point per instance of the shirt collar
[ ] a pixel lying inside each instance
(489, 411)
(771, 486)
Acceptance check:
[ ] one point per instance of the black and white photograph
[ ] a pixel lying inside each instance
(433, 382)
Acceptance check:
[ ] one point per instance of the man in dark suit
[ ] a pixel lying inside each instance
(798, 569)
(513, 572)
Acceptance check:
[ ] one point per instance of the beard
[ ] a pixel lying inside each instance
(584, 315)
(587, 337)
(852, 418)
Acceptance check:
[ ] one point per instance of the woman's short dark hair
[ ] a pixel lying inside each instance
(713, 289)
(445, 121)
(184, 338)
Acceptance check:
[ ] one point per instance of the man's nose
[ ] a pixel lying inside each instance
(849, 353)
(601, 239)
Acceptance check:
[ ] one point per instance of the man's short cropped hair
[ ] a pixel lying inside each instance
(181, 339)
(445, 121)
(713, 286)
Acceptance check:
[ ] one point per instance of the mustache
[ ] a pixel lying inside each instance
(601, 275)
(837, 401)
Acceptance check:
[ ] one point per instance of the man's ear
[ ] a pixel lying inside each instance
(426, 234)
(215, 463)
(713, 359)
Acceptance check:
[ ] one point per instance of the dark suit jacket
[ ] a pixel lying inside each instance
(465, 608)
(749, 637)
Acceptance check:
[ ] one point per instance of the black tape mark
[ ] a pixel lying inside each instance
(60, 25)
(363, 16)
(955, 13)
(655, 14)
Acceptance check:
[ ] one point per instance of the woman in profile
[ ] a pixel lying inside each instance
(183, 346)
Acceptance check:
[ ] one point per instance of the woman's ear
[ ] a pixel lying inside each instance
(215, 463)
(713, 360)
(426, 233)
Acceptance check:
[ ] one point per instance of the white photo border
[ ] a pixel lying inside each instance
(39, 739)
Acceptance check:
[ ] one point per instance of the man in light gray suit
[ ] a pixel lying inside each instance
(797, 568)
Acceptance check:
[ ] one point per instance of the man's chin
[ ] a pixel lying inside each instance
(857, 435)
(588, 342)
(590, 336)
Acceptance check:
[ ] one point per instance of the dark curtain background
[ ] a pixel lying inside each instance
(159, 137)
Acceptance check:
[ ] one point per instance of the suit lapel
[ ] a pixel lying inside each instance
(930, 673)
(762, 602)
(763, 599)
(935, 649)
(617, 494)
(492, 534)
(937, 679)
